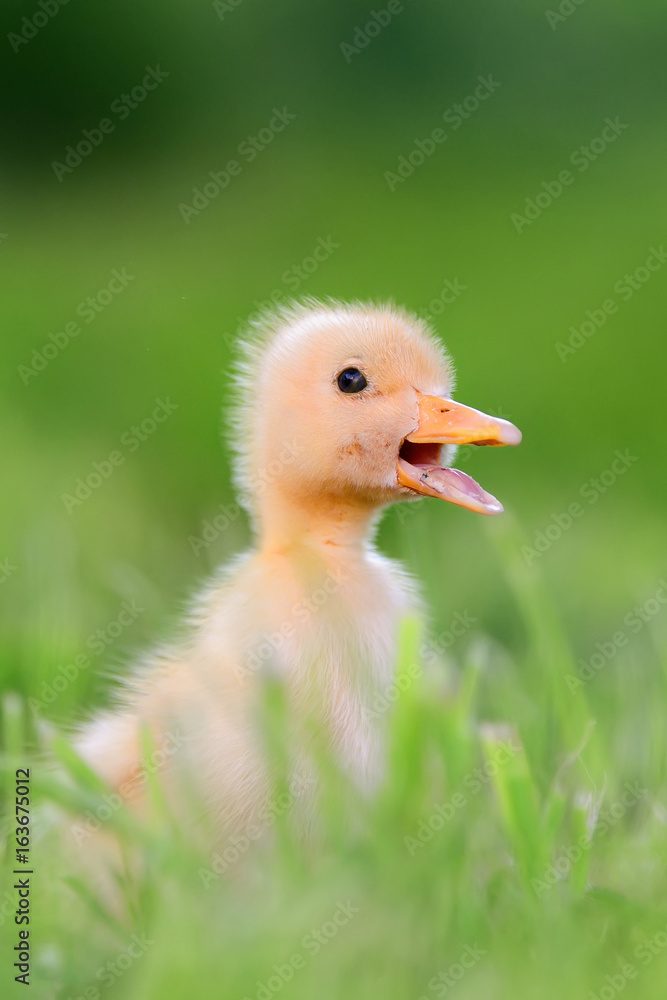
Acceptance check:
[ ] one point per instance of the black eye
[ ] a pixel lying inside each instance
(352, 380)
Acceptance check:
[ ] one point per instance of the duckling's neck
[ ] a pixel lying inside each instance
(324, 523)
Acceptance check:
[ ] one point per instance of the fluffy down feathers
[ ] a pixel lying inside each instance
(313, 603)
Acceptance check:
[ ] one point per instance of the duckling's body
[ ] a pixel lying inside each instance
(329, 397)
(323, 622)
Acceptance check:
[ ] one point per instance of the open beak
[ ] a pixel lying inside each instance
(441, 422)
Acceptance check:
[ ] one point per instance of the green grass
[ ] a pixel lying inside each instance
(501, 835)
(504, 749)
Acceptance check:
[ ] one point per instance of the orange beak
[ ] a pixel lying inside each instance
(441, 422)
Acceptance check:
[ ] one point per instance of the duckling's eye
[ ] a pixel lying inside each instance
(352, 380)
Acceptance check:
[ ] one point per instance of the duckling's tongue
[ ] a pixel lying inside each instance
(450, 484)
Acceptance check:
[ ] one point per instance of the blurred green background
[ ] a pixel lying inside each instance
(560, 73)
(171, 330)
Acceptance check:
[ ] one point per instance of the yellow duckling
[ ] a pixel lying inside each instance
(342, 410)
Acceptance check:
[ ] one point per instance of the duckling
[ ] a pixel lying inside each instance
(341, 410)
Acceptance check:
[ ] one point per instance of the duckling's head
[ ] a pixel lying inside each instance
(351, 404)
